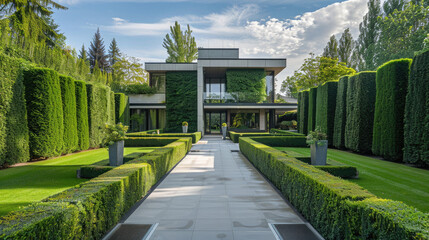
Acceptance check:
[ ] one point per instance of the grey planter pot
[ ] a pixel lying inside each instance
(224, 129)
(185, 129)
(116, 153)
(319, 152)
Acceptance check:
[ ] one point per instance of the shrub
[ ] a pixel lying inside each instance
(14, 142)
(120, 108)
(337, 208)
(246, 85)
(98, 112)
(235, 136)
(82, 115)
(360, 112)
(303, 112)
(68, 96)
(312, 102)
(325, 108)
(196, 136)
(181, 100)
(416, 128)
(340, 113)
(282, 141)
(151, 141)
(274, 131)
(288, 116)
(45, 112)
(90, 209)
(388, 133)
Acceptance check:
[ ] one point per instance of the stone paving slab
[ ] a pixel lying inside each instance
(214, 193)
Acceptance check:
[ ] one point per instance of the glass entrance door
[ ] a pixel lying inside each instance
(213, 122)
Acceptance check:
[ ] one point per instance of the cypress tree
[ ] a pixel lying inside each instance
(97, 52)
(345, 47)
(114, 52)
(331, 49)
(82, 53)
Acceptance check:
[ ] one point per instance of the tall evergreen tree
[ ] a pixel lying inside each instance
(114, 53)
(390, 6)
(82, 53)
(331, 49)
(97, 52)
(181, 47)
(345, 48)
(368, 36)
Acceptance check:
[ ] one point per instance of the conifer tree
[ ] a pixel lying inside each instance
(390, 6)
(181, 47)
(82, 53)
(114, 52)
(345, 48)
(331, 49)
(97, 52)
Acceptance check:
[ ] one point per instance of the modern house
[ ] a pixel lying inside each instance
(219, 87)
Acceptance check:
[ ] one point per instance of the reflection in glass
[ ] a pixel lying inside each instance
(158, 81)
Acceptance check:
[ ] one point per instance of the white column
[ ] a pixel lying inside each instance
(200, 99)
(262, 120)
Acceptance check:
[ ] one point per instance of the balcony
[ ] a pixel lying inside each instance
(147, 100)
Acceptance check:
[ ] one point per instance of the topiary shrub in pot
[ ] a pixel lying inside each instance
(114, 138)
(318, 145)
(224, 129)
(185, 127)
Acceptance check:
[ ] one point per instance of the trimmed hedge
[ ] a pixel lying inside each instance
(246, 85)
(360, 112)
(340, 113)
(153, 141)
(181, 100)
(112, 112)
(388, 131)
(312, 102)
(82, 115)
(68, 96)
(282, 141)
(98, 112)
(45, 112)
(333, 167)
(14, 138)
(337, 208)
(284, 132)
(325, 108)
(196, 136)
(90, 209)
(303, 112)
(416, 128)
(120, 108)
(127, 111)
(235, 136)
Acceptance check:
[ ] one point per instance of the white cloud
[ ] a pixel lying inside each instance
(289, 38)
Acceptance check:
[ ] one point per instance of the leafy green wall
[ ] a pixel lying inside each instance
(14, 135)
(360, 112)
(181, 101)
(45, 112)
(68, 96)
(246, 85)
(82, 115)
(303, 112)
(312, 101)
(120, 108)
(388, 133)
(340, 113)
(325, 108)
(416, 128)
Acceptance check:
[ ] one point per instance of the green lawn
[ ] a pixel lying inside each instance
(20, 186)
(382, 178)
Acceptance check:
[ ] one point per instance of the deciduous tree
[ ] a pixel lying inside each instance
(181, 47)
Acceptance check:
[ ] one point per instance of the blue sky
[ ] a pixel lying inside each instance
(283, 28)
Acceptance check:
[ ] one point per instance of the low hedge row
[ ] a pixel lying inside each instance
(90, 209)
(284, 132)
(153, 141)
(235, 136)
(196, 136)
(282, 141)
(334, 168)
(337, 208)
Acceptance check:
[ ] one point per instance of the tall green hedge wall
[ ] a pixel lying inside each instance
(45, 112)
(246, 85)
(82, 115)
(127, 111)
(360, 112)
(68, 96)
(325, 108)
(416, 128)
(181, 100)
(120, 108)
(98, 112)
(303, 112)
(312, 101)
(14, 142)
(112, 112)
(388, 133)
(340, 113)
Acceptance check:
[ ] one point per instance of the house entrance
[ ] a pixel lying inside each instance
(213, 122)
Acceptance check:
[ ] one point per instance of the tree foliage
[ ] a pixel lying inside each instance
(345, 48)
(331, 49)
(181, 47)
(97, 53)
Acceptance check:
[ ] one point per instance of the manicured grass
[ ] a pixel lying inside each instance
(385, 179)
(20, 186)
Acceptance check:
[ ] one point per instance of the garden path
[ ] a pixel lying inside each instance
(214, 193)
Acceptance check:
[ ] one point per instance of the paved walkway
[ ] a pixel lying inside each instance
(213, 194)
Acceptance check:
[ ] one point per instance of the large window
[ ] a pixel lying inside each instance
(214, 89)
(245, 120)
(157, 80)
(269, 81)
